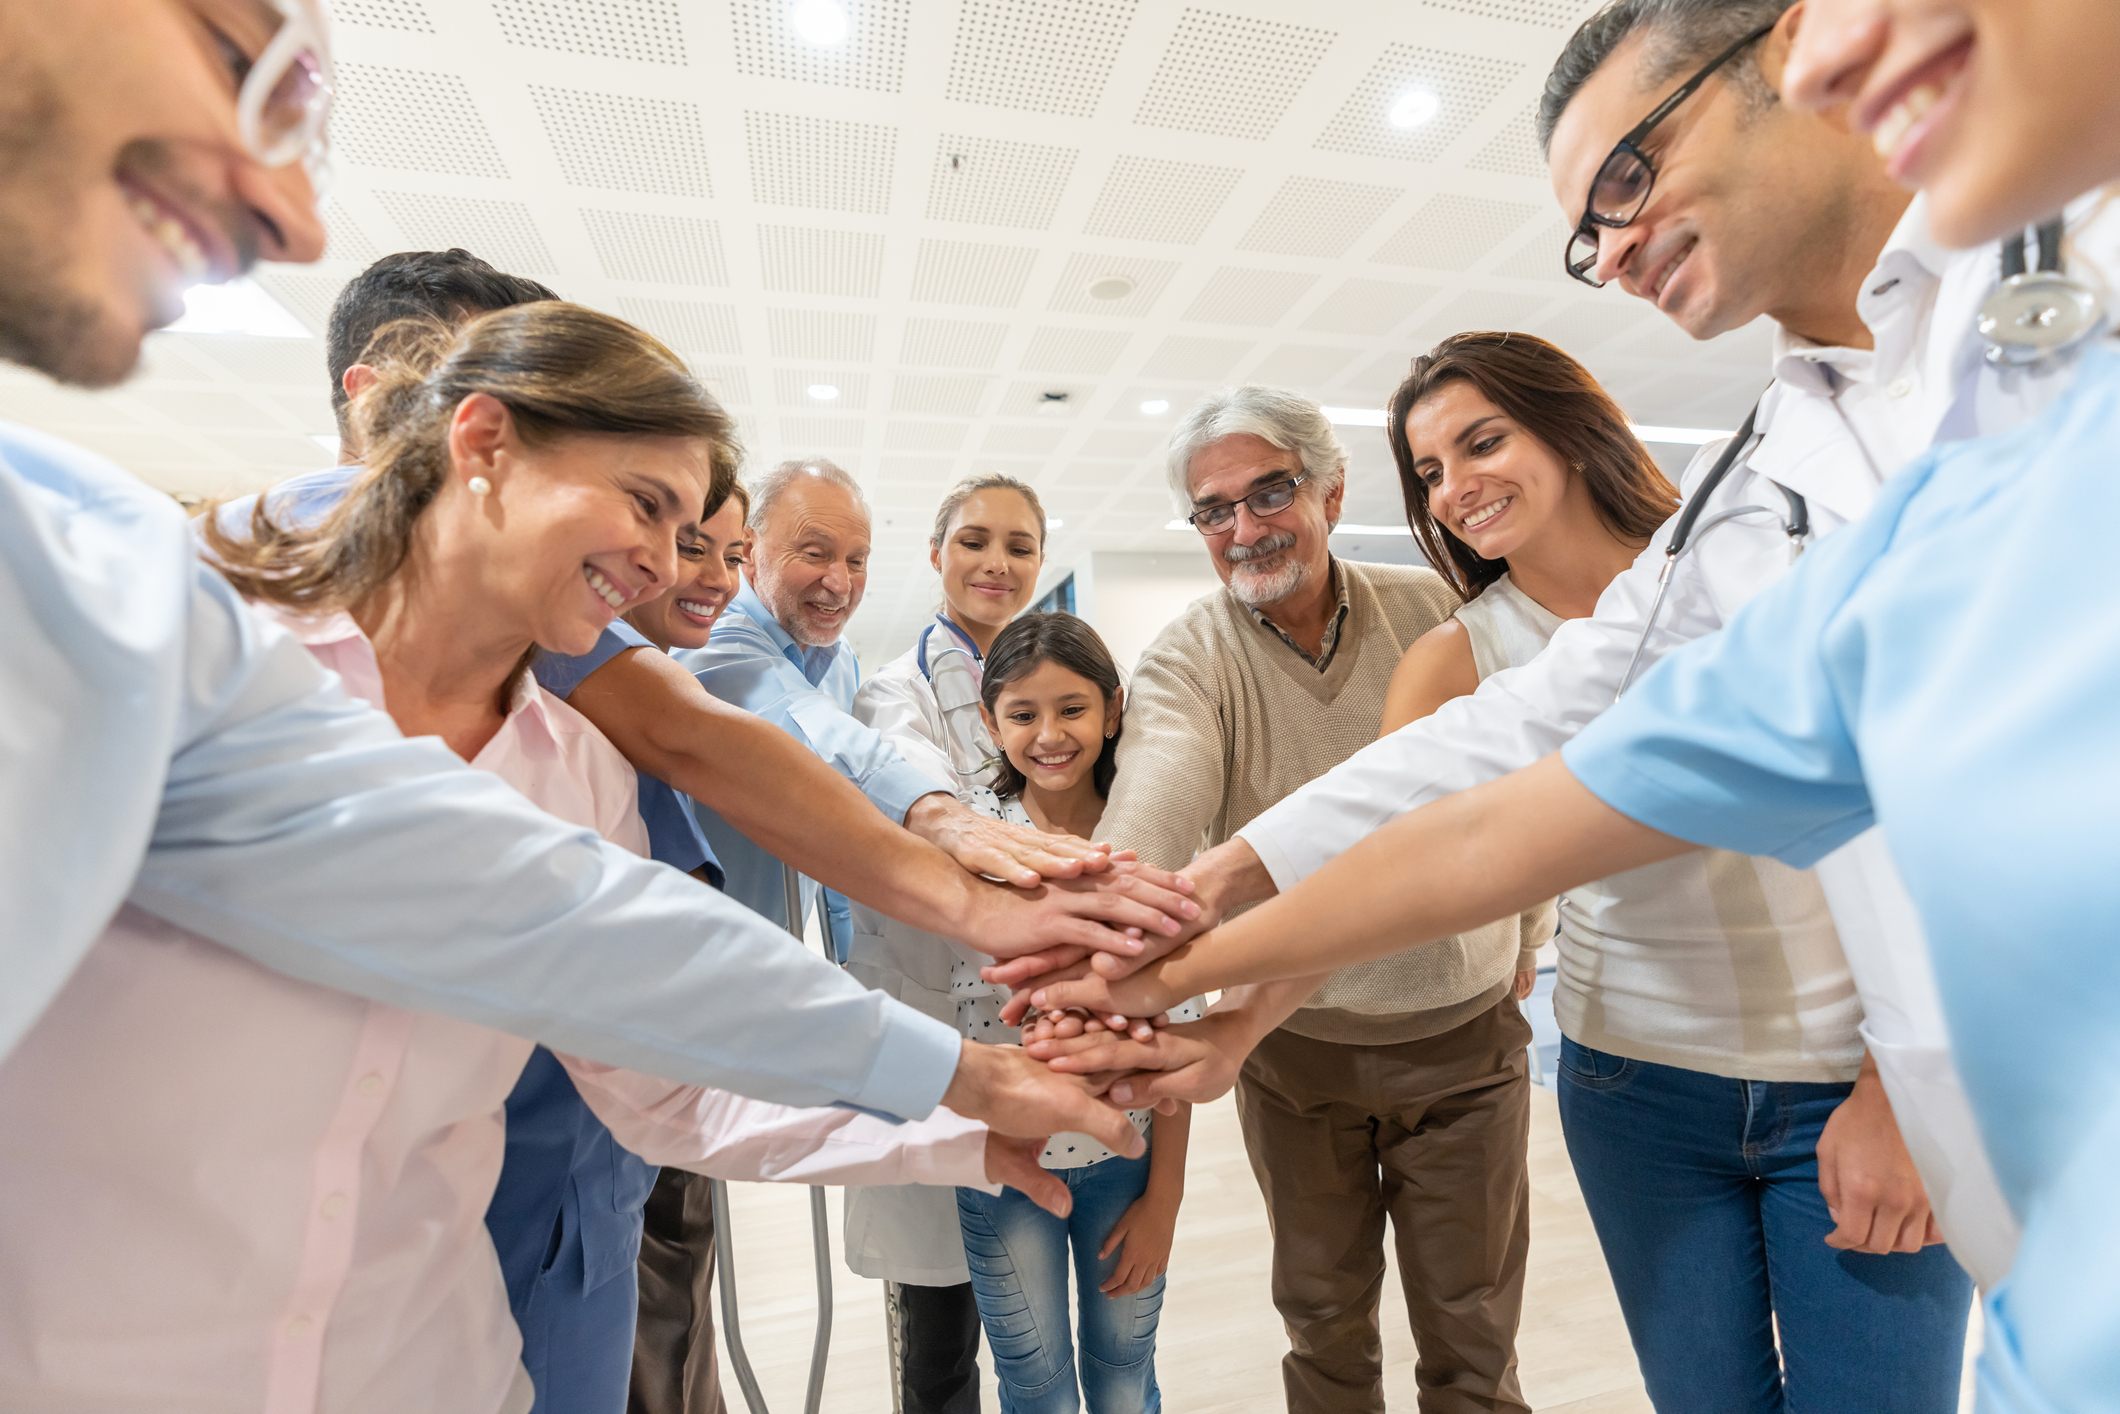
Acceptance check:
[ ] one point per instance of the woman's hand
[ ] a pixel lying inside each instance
(1142, 1237)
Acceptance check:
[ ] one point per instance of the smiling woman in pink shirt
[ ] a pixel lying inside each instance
(229, 1190)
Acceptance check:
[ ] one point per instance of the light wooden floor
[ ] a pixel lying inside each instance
(1220, 1345)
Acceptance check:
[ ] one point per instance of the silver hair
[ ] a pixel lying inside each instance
(774, 484)
(953, 501)
(1678, 36)
(1290, 421)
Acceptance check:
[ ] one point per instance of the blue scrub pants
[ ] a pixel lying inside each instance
(1704, 1192)
(1019, 1253)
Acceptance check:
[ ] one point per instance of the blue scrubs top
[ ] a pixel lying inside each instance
(1949, 666)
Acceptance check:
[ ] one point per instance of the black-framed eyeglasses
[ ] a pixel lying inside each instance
(1268, 500)
(1624, 182)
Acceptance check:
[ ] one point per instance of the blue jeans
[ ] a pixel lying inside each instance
(1704, 1191)
(1019, 1257)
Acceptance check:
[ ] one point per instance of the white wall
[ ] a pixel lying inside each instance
(1129, 595)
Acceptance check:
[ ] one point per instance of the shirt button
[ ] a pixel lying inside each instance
(334, 1205)
(1901, 387)
(370, 1084)
(299, 1328)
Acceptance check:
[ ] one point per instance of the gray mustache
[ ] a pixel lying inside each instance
(1272, 545)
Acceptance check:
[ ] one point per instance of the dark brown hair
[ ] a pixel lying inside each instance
(1555, 400)
(1075, 646)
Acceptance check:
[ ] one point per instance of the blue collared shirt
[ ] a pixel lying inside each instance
(162, 744)
(754, 663)
(1949, 666)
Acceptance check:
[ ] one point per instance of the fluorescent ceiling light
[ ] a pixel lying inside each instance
(1349, 528)
(1355, 417)
(1414, 107)
(1177, 525)
(239, 307)
(1683, 436)
(1155, 407)
(823, 392)
(819, 22)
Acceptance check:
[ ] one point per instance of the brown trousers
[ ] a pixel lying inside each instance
(1433, 1134)
(673, 1346)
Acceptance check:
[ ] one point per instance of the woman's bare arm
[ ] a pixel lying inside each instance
(1437, 668)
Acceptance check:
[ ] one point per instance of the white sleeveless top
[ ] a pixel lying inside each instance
(1718, 962)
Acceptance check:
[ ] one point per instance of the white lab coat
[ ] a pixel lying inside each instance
(1925, 381)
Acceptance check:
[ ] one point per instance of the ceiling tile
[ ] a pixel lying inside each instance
(1451, 232)
(1300, 366)
(1540, 258)
(503, 232)
(1485, 310)
(1011, 439)
(1368, 307)
(668, 250)
(1095, 476)
(1229, 75)
(211, 410)
(412, 119)
(1240, 295)
(644, 30)
(135, 449)
(791, 389)
(819, 334)
(988, 182)
(1514, 151)
(1155, 199)
(1133, 442)
(306, 293)
(820, 163)
(1071, 291)
(961, 272)
(688, 326)
(951, 343)
(905, 436)
(280, 449)
(271, 362)
(1463, 84)
(1547, 14)
(952, 397)
(312, 409)
(1037, 56)
(1054, 350)
(806, 260)
(932, 471)
(1315, 216)
(798, 435)
(623, 142)
(1587, 323)
(871, 57)
(408, 15)
(1195, 360)
(729, 383)
(343, 237)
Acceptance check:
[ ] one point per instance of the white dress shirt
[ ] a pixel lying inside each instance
(1835, 423)
(231, 1190)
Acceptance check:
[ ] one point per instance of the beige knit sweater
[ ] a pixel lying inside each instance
(1223, 719)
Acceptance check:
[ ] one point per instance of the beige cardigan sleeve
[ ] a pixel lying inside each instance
(1173, 771)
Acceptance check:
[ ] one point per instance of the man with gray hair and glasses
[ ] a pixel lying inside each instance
(1400, 1089)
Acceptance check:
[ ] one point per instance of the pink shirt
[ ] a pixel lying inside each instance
(222, 1189)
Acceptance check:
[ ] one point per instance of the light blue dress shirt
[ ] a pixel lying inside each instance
(753, 663)
(160, 743)
(1949, 666)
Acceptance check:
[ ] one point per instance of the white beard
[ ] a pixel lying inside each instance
(1257, 588)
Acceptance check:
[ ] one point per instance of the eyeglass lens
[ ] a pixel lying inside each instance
(1266, 501)
(290, 107)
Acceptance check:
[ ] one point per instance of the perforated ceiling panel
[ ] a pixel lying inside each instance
(502, 232)
(1071, 291)
(1019, 439)
(951, 343)
(1129, 442)
(1236, 294)
(1514, 151)
(904, 436)
(670, 250)
(1453, 232)
(961, 272)
(805, 260)
(949, 397)
(1588, 323)
(267, 361)
(646, 30)
(994, 183)
(1314, 216)
(344, 238)
(1547, 14)
(791, 389)
(307, 294)
(1368, 307)
(1300, 366)
(621, 143)
(820, 163)
(1484, 309)
(872, 56)
(801, 435)
(414, 120)
(1230, 75)
(1154, 199)
(1542, 257)
(689, 326)
(1463, 84)
(1092, 351)
(1039, 56)
(728, 382)
(818, 334)
(1194, 360)
(408, 15)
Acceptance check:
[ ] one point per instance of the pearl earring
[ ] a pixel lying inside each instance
(479, 485)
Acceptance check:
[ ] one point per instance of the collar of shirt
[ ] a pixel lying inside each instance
(814, 662)
(1331, 642)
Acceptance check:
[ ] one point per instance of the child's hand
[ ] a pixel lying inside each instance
(1145, 1231)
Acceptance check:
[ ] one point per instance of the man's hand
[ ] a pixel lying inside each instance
(1017, 1095)
(999, 850)
(1869, 1181)
(1192, 1060)
(1113, 910)
(1526, 979)
(1015, 1163)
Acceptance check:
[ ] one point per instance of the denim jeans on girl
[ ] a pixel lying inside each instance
(1019, 1256)
(1704, 1191)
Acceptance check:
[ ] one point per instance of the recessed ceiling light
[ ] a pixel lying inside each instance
(819, 22)
(1155, 407)
(1054, 404)
(1111, 287)
(1414, 107)
(239, 307)
(823, 392)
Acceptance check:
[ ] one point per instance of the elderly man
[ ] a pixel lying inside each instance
(1400, 1089)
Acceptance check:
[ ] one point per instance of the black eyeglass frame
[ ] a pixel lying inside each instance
(1293, 483)
(1630, 147)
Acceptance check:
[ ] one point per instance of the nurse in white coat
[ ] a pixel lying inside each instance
(988, 545)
